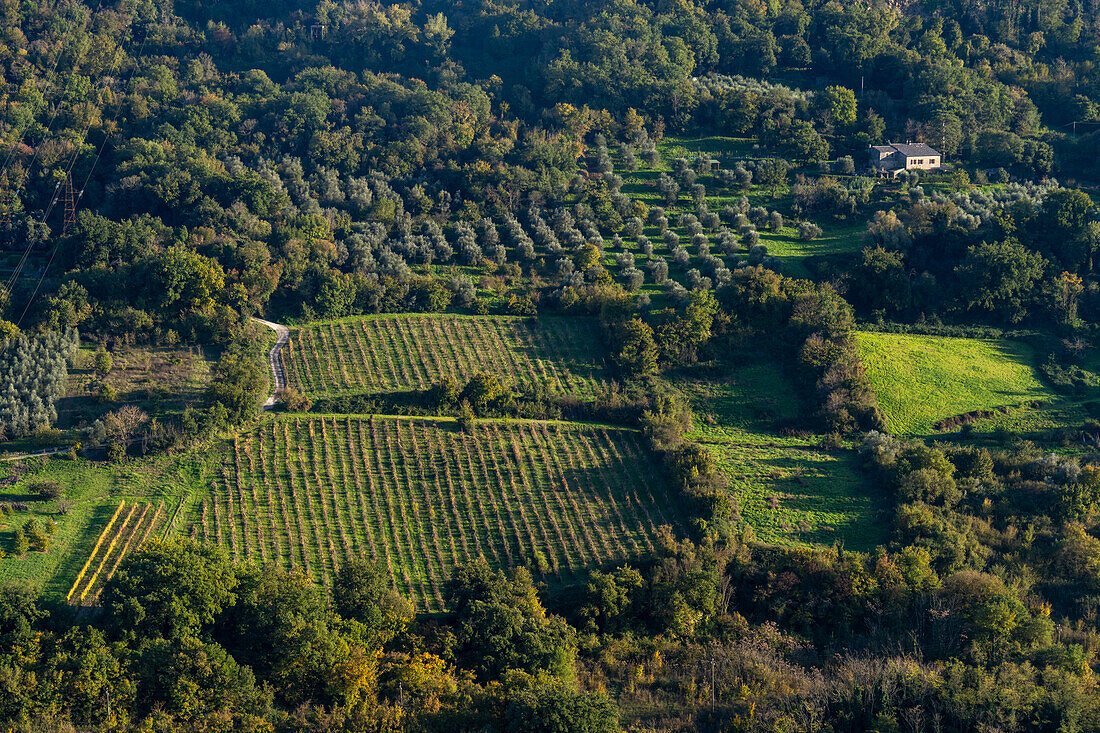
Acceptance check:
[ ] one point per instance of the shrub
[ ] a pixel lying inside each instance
(521, 305)
(465, 417)
(21, 545)
(293, 400)
(808, 231)
(103, 362)
(36, 537)
(45, 489)
(481, 391)
(46, 437)
(105, 393)
(116, 452)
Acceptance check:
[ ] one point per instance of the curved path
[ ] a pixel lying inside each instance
(282, 336)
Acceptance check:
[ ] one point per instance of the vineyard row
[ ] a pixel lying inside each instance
(411, 352)
(421, 497)
(128, 529)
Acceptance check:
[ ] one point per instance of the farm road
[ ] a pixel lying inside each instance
(282, 336)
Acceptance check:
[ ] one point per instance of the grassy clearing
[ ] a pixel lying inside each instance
(160, 380)
(791, 251)
(716, 146)
(922, 379)
(421, 496)
(742, 405)
(787, 489)
(393, 353)
(797, 496)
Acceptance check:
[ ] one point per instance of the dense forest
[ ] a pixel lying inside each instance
(627, 215)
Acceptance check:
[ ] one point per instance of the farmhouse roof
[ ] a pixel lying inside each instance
(914, 150)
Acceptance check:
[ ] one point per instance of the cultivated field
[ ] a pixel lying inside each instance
(130, 527)
(922, 379)
(838, 238)
(421, 496)
(403, 352)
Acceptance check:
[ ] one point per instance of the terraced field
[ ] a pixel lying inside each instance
(922, 379)
(402, 352)
(421, 496)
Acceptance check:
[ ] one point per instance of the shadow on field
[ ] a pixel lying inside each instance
(826, 500)
(75, 556)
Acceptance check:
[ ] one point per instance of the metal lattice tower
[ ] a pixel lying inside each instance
(69, 221)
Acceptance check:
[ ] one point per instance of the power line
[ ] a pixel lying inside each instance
(23, 174)
(91, 170)
(53, 116)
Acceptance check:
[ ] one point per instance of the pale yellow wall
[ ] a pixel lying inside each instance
(922, 163)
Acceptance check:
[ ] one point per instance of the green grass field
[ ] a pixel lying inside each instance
(795, 496)
(922, 379)
(792, 252)
(672, 147)
(403, 352)
(421, 496)
(791, 492)
(741, 405)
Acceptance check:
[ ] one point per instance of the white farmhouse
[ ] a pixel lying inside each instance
(891, 159)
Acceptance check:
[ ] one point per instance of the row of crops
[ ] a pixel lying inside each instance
(421, 496)
(130, 527)
(405, 352)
